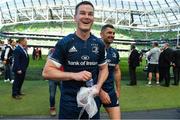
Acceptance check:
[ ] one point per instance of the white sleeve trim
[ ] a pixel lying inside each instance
(58, 65)
(102, 63)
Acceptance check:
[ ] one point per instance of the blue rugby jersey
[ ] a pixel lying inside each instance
(112, 60)
(76, 55)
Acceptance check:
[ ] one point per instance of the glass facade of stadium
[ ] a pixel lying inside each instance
(143, 15)
(138, 15)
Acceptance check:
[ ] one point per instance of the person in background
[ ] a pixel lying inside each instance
(34, 53)
(40, 53)
(84, 60)
(176, 65)
(8, 59)
(133, 61)
(153, 57)
(109, 94)
(165, 60)
(21, 62)
(52, 89)
(1, 61)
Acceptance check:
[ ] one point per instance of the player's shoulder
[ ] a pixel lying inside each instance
(114, 49)
(97, 40)
(66, 39)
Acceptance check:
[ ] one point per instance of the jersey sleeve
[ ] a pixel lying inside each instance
(102, 55)
(58, 54)
(117, 58)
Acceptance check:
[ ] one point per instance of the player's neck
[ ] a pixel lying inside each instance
(83, 35)
(107, 46)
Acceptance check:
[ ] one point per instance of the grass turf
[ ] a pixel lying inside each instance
(36, 101)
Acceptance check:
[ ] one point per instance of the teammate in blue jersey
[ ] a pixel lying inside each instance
(83, 57)
(109, 94)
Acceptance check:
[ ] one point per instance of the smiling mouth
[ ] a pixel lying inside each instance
(86, 22)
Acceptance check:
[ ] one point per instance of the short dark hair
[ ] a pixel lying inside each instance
(107, 26)
(21, 39)
(133, 46)
(155, 43)
(10, 40)
(83, 3)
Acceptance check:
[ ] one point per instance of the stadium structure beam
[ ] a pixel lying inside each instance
(171, 10)
(176, 3)
(103, 15)
(137, 9)
(146, 10)
(154, 11)
(163, 12)
(1, 17)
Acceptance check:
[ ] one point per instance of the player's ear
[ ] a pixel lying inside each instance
(101, 34)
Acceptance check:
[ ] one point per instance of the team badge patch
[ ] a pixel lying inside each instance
(95, 49)
(114, 55)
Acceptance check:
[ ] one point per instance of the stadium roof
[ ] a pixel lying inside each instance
(145, 15)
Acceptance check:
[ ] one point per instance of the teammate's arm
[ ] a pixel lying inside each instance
(117, 76)
(103, 74)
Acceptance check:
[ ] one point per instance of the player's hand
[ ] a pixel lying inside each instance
(117, 93)
(105, 99)
(82, 76)
(4, 62)
(95, 90)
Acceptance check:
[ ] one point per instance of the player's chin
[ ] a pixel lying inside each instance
(86, 29)
(86, 26)
(110, 41)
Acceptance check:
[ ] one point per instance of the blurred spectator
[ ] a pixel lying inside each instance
(165, 60)
(40, 53)
(52, 90)
(176, 65)
(133, 60)
(153, 57)
(34, 53)
(8, 59)
(37, 54)
(21, 62)
(1, 62)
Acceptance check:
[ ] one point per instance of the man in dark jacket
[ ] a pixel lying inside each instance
(165, 60)
(21, 62)
(133, 61)
(176, 65)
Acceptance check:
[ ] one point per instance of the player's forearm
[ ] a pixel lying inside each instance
(53, 74)
(117, 76)
(118, 83)
(103, 74)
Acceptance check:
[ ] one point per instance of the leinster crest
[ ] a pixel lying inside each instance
(95, 49)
